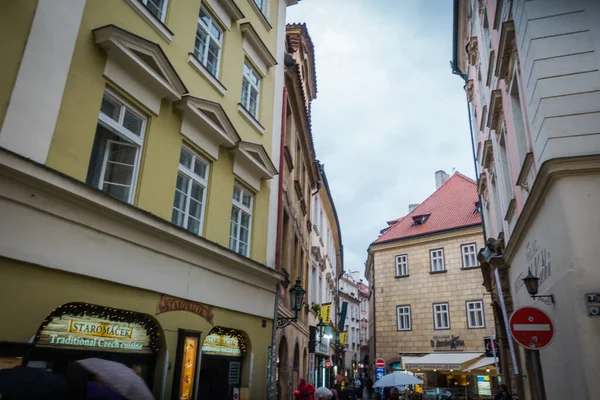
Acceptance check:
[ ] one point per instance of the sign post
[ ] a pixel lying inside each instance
(532, 328)
(379, 369)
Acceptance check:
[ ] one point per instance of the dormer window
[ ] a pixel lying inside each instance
(420, 219)
(477, 208)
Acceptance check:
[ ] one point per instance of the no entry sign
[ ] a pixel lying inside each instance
(380, 363)
(531, 327)
(327, 363)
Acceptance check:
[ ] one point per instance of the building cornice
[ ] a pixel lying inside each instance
(427, 237)
(549, 172)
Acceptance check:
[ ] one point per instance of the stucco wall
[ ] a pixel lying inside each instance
(559, 246)
(421, 289)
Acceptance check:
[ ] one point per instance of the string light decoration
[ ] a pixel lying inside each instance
(219, 330)
(111, 314)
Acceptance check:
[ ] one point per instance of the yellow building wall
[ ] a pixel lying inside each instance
(73, 138)
(421, 289)
(35, 291)
(16, 17)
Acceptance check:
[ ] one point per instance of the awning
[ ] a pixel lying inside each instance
(409, 360)
(483, 362)
(443, 361)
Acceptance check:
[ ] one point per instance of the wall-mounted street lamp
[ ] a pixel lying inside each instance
(532, 284)
(296, 300)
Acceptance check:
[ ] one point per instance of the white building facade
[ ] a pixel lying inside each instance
(533, 85)
(349, 294)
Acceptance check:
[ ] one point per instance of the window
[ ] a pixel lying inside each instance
(116, 152)
(250, 90)
(403, 317)
(209, 40)
(469, 255)
(441, 316)
(158, 8)
(327, 294)
(475, 314)
(437, 260)
(420, 219)
(321, 221)
(402, 265)
(313, 295)
(262, 5)
(320, 289)
(241, 217)
(190, 192)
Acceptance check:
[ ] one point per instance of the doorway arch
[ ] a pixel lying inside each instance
(282, 369)
(222, 357)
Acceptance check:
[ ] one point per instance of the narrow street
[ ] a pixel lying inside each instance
(277, 199)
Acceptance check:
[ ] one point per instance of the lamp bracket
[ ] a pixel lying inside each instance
(283, 322)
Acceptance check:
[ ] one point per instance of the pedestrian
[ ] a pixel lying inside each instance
(301, 393)
(394, 394)
(503, 393)
(369, 386)
(311, 391)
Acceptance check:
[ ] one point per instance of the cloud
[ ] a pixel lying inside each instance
(389, 112)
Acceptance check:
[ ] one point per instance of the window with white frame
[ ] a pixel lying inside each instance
(241, 218)
(190, 192)
(327, 294)
(158, 8)
(209, 42)
(314, 286)
(250, 89)
(475, 318)
(115, 158)
(469, 255)
(403, 317)
(436, 258)
(262, 5)
(441, 316)
(402, 265)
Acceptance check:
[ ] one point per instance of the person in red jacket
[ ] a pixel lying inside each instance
(311, 391)
(302, 392)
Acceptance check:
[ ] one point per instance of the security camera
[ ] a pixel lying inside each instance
(594, 311)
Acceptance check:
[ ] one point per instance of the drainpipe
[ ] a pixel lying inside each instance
(280, 188)
(272, 384)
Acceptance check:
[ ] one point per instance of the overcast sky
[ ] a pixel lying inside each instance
(388, 113)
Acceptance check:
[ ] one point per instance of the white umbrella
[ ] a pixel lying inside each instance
(397, 379)
(118, 377)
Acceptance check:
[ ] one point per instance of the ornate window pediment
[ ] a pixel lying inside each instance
(205, 123)
(139, 66)
(507, 52)
(256, 43)
(473, 51)
(487, 157)
(495, 113)
(252, 163)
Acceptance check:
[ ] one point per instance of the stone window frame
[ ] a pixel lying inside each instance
(409, 314)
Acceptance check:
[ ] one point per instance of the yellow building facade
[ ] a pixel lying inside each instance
(136, 139)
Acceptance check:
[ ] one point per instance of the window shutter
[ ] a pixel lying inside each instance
(235, 368)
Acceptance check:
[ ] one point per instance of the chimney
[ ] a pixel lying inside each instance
(440, 178)
(411, 207)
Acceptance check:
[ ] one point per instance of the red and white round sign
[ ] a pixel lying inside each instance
(327, 363)
(380, 363)
(531, 327)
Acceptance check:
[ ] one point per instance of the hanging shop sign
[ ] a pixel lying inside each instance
(223, 344)
(79, 326)
(168, 304)
(343, 312)
(445, 342)
(344, 337)
(325, 313)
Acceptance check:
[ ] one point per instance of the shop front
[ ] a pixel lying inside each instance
(323, 358)
(184, 350)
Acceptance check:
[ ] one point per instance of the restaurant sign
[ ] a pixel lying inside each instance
(168, 304)
(221, 345)
(68, 331)
(445, 342)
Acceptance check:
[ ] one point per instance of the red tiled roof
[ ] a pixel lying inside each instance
(451, 206)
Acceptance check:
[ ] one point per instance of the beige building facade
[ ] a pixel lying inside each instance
(431, 312)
